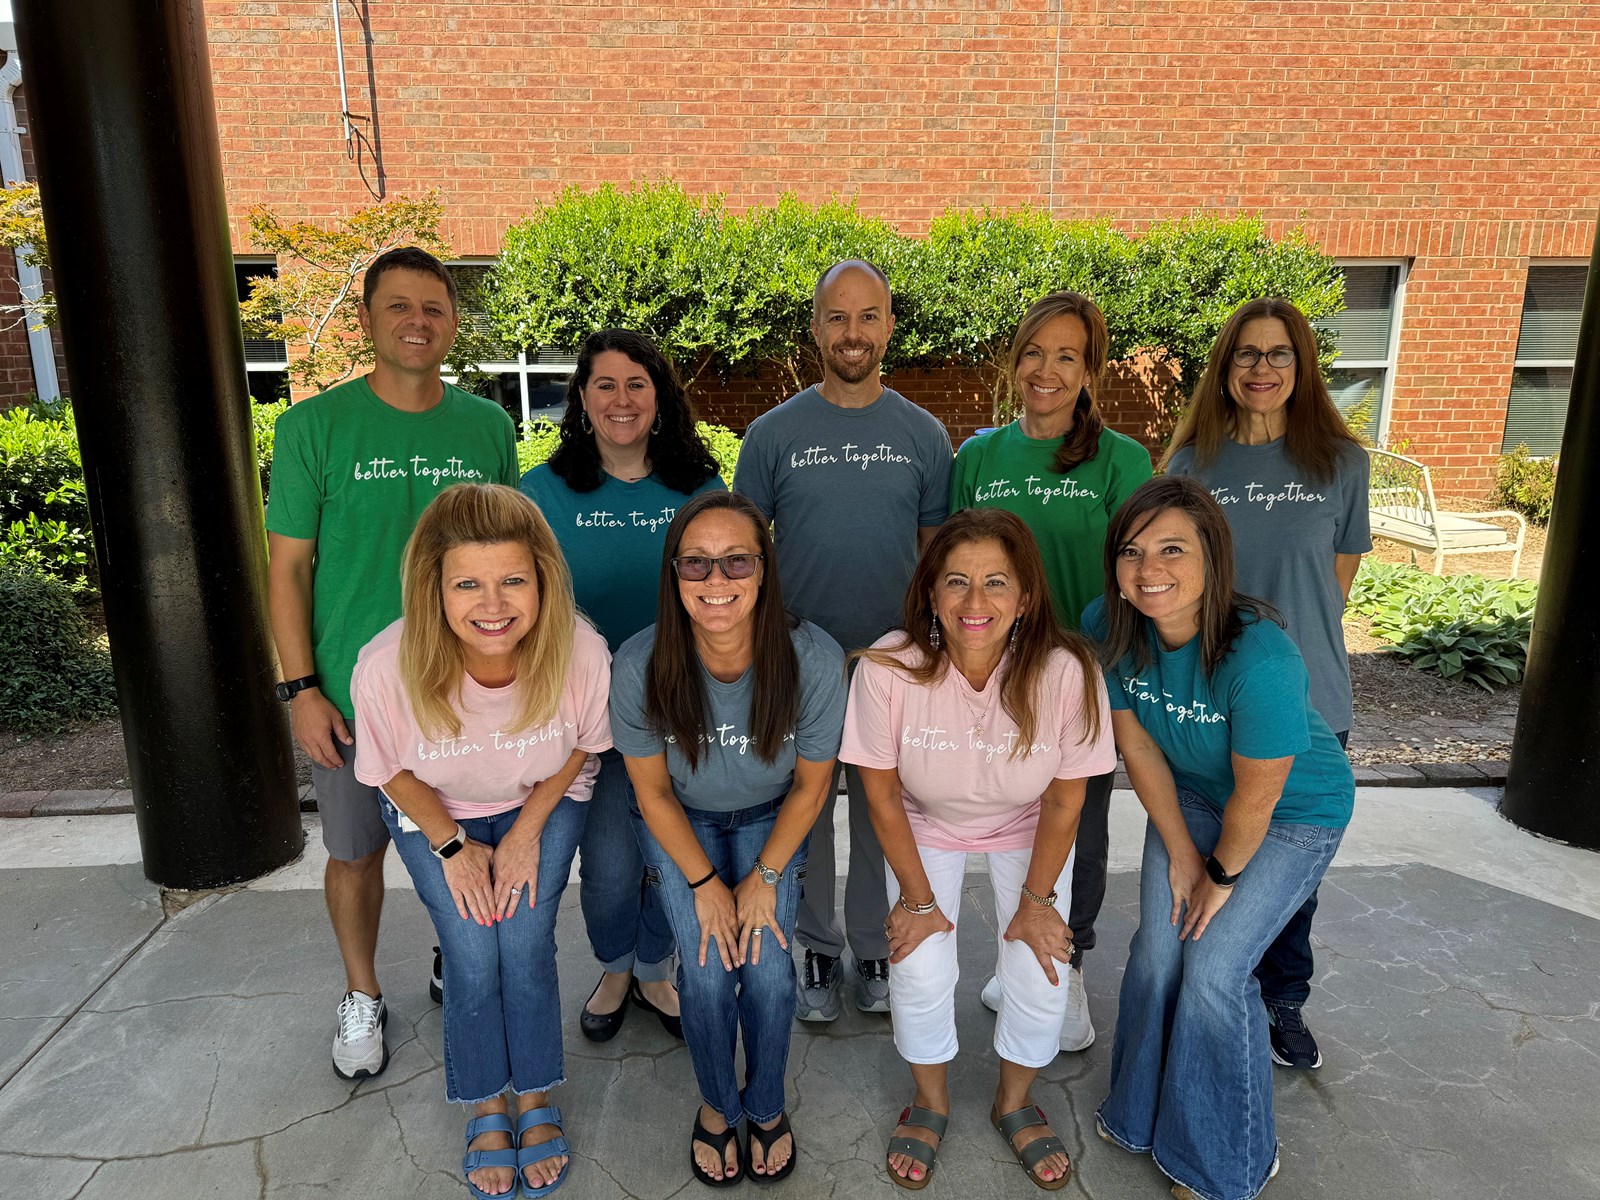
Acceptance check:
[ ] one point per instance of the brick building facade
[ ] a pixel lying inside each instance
(1450, 140)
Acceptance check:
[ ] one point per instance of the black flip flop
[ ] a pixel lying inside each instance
(767, 1137)
(719, 1143)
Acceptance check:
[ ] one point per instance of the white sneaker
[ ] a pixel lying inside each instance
(1077, 1031)
(358, 1048)
(991, 994)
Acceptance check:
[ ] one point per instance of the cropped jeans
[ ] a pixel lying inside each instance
(1191, 1074)
(756, 999)
(627, 926)
(502, 1009)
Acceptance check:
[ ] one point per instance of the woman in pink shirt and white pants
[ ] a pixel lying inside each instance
(975, 727)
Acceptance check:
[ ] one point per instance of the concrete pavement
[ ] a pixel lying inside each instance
(148, 1056)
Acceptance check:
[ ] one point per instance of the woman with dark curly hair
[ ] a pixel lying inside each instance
(628, 458)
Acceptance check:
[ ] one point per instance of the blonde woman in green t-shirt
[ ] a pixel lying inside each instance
(1065, 474)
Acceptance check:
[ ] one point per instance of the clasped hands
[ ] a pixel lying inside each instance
(737, 920)
(488, 882)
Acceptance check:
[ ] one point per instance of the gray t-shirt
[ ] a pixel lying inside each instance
(1286, 529)
(847, 489)
(731, 774)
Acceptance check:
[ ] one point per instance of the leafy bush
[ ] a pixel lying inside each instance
(1462, 627)
(539, 443)
(1527, 484)
(264, 422)
(44, 509)
(56, 670)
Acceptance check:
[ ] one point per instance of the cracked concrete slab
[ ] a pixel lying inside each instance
(66, 930)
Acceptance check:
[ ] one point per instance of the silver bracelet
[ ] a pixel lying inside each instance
(919, 910)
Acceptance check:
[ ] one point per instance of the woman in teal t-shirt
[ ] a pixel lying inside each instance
(627, 460)
(1065, 474)
(1248, 794)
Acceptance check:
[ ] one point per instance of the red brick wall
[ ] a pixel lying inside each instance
(1457, 134)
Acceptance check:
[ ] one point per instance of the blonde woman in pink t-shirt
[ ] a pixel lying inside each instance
(975, 727)
(478, 714)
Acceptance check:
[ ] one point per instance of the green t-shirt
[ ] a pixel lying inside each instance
(353, 474)
(1068, 513)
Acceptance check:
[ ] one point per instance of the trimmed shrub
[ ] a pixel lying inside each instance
(56, 670)
(44, 509)
(1527, 484)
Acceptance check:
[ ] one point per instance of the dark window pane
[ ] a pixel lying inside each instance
(1550, 310)
(1365, 324)
(1537, 409)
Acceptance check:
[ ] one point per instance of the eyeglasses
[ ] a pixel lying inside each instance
(734, 566)
(1249, 356)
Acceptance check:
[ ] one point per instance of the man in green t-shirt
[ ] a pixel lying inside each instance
(353, 468)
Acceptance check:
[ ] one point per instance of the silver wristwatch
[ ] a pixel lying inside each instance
(768, 875)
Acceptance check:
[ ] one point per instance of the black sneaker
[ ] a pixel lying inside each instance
(1292, 1043)
(818, 996)
(436, 981)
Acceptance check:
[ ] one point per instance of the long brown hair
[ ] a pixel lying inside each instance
(1038, 631)
(1316, 433)
(1221, 608)
(1082, 442)
(431, 664)
(675, 701)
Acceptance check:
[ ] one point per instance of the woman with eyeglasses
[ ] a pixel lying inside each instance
(728, 714)
(627, 458)
(1264, 436)
(1248, 794)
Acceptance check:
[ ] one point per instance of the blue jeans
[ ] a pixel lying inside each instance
(628, 929)
(755, 999)
(1191, 1073)
(502, 1009)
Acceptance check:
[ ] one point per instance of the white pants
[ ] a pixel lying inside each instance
(922, 986)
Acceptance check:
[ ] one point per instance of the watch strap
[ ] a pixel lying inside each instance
(451, 848)
(290, 688)
(1219, 876)
(768, 875)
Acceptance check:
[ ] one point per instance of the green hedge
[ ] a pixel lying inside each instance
(56, 670)
(732, 292)
(1527, 484)
(539, 438)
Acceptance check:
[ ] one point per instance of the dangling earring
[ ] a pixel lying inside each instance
(1011, 642)
(1124, 596)
(656, 428)
(583, 421)
(933, 633)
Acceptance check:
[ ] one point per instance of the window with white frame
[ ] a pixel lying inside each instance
(266, 360)
(1369, 333)
(1547, 343)
(529, 383)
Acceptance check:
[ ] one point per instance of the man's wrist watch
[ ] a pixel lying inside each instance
(291, 688)
(1219, 876)
(768, 875)
(451, 848)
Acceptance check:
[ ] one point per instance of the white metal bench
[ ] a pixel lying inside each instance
(1402, 509)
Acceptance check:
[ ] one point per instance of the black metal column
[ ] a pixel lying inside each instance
(1553, 786)
(130, 175)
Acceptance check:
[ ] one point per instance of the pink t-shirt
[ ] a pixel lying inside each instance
(952, 746)
(486, 769)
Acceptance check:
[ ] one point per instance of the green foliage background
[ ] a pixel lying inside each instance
(1527, 484)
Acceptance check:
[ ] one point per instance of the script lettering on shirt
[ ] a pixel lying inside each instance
(1258, 493)
(995, 489)
(929, 737)
(653, 522)
(728, 737)
(850, 453)
(454, 470)
(1067, 489)
(600, 519)
(1197, 712)
(812, 456)
(518, 743)
(1005, 745)
(451, 747)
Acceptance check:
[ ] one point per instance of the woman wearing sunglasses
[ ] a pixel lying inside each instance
(1265, 439)
(728, 714)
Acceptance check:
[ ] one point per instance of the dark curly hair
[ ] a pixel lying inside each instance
(679, 456)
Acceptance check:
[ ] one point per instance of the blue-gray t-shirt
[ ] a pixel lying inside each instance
(1255, 704)
(731, 775)
(1286, 529)
(612, 539)
(846, 490)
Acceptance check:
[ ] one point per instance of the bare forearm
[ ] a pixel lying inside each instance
(1059, 810)
(812, 784)
(422, 804)
(1345, 567)
(889, 821)
(547, 793)
(289, 607)
(1244, 828)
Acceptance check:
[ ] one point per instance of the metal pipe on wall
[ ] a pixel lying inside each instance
(130, 176)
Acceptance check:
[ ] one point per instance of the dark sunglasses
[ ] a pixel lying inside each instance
(734, 566)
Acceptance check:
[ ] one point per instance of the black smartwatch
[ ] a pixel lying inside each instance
(1218, 876)
(291, 688)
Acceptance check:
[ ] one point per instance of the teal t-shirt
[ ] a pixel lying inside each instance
(353, 475)
(1256, 704)
(1068, 513)
(1287, 527)
(612, 538)
(847, 489)
(731, 775)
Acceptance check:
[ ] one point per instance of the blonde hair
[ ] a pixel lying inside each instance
(431, 662)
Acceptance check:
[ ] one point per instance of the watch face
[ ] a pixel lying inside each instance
(282, 692)
(451, 848)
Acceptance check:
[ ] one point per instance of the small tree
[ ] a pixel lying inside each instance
(22, 230)
(312, 302)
